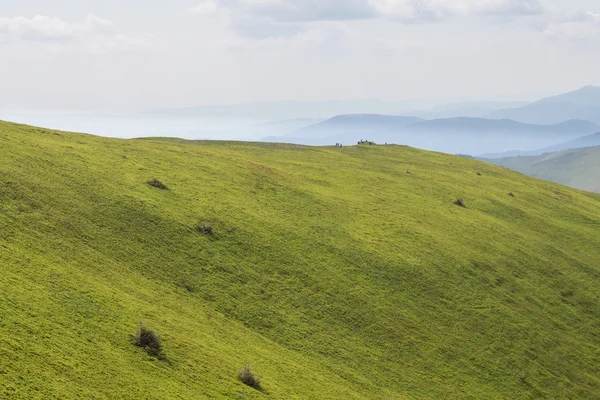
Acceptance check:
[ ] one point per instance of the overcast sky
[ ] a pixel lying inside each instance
(123, 55)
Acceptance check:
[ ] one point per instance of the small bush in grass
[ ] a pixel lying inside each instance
(150, 341)
(247, 378)
(186, 285)
(157, 184)
(511, 194)
(460, 202)
(204, 228)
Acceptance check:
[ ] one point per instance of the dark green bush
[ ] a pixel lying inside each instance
(460, 202)
(204, 228)
(157, 184)
(247, 378)
(150, 341)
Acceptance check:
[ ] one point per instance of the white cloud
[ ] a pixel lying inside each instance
(278, 18)
(574, 25)
(42, 27)
(93, 35)
(436, 10)
(292, 10)
(262, 27)
(315, 10)
(509, 7)
(205, 7)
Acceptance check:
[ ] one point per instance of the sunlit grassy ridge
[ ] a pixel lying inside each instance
(334, 273)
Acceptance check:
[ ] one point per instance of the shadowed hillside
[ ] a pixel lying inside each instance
(578, 167)
(333, 273)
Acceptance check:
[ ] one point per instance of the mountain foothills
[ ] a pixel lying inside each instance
(363, 272)
(577, 167)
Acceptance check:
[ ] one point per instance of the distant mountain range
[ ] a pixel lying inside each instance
(581, 104)
(478, 109)
(579, 168)
(357, 124)
(452, 135)
(585, 141)
(482, 125)
(586, 96)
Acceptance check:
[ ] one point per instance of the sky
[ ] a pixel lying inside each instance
(130, 55)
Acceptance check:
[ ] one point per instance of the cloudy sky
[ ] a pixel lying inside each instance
(124, 55)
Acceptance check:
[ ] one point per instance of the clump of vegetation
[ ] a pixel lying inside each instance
(248, 378)
(511, 194)
(365, 142)
(186, 285)
(478, 173)
(157, 184)
(205, 228)
(460, 202)
(150, 341)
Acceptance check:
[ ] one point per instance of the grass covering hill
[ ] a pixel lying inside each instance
(334, 273)
(579, 168)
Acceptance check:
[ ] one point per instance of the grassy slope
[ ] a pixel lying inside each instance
(579, 168)
(334, 273)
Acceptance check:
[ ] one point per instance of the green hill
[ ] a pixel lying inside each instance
(579, 168)
(334, 273)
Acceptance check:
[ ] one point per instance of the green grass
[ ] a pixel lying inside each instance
(578, 168)
(333, 273)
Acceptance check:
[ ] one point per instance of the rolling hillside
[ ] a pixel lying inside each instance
(334, 273)
(577, 167)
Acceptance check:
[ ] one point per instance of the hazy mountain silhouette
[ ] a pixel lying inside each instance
(482, 125)
(583, 104)
(453, 135)
(479, 109)
(281, 127)
(361, 124)
(585, 141)
(586, 96)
